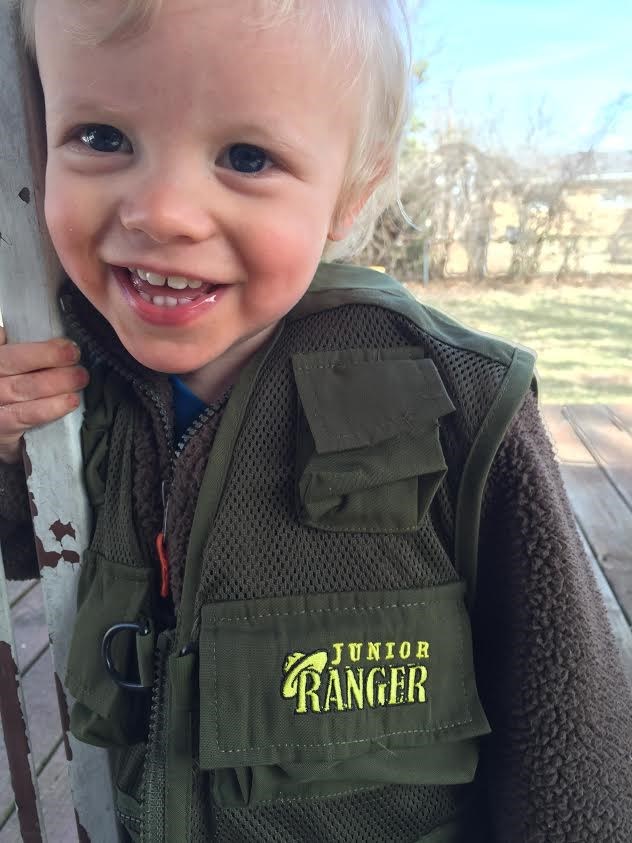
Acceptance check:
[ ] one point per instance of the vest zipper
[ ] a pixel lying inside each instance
(154, 771)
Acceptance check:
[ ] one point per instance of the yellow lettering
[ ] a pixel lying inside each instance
(355, 651)
(338, 648)
(390, 650)
(417, 675)
(423, 650)
(371, 684)
(355, 687)
(373, 651)
(304, 692)
(334, 693)
(396, 685)
(404, 650)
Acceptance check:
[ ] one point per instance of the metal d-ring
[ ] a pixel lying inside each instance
(140, 628)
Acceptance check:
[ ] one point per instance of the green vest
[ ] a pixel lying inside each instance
(322, 652)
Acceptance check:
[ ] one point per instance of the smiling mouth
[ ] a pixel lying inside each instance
(169, 292)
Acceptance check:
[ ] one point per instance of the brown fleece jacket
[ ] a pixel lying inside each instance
(559, 760)
(557, 767)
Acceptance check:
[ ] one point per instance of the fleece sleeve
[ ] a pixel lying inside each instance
(16, 530)
(558, 764)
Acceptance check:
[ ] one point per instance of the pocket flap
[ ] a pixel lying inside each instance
(369, 456)
(329, 677)
(358, 398)
(109, 593)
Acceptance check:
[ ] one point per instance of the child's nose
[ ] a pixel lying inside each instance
(167, 209)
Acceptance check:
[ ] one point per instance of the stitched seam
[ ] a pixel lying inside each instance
(348, 363)
(334, 610)
(331, 366)
(214, 659)
(324, 796)
(438, 728)
(133, 820)
(461, 651)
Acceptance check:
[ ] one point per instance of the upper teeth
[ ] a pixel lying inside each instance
(177, 282)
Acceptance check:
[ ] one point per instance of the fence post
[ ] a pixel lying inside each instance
(29, 279)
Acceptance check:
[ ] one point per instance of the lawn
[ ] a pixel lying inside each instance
(582, 334)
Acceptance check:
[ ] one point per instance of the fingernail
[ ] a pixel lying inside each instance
(73, 350)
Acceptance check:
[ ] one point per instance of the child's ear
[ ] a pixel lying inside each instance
(346, 215)
(343, 220)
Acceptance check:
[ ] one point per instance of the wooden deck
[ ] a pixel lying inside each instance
(594, 445)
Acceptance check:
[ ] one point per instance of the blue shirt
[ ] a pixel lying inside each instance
(187, 406)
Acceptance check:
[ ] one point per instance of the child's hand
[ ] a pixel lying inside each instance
(39, 382)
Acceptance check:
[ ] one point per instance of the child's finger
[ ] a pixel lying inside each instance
(15, 389)
(15, 419)
(20, 357)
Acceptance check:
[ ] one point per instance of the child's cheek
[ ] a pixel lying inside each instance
(288, 244)
(70, 218)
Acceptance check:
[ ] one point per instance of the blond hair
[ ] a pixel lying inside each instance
(375, 35)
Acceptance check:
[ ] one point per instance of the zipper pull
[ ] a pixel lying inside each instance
(161, 548)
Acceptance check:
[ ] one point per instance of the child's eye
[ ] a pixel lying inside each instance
(100, 138)
(245, 158)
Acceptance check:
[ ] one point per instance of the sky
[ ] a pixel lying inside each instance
(505, 65)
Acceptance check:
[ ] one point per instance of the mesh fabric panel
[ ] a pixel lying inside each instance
(257, 547)
(397, 813)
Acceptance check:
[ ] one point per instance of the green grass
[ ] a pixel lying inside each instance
(583, 335)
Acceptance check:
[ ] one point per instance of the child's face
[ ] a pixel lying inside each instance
(203, 148)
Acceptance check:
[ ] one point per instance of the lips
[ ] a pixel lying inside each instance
(163, 305)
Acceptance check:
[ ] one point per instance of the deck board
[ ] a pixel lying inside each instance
(610, 445)
(29, 627)
(623, 414)
(59, 817)
(601, 510)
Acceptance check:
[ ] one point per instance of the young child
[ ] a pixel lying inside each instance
(312, 495)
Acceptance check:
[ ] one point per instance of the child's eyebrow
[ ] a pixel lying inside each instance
(82, 103)
(270, 134)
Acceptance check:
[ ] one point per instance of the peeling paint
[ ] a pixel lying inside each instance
(89, 767)
(46, 558)
(16, 740)
(64, 714)
(32, 505)
(59, 585)
(25, 195)
(60, 530)
(51, 558)
(81, 832)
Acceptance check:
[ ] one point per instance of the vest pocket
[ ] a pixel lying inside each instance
(368, 452)
(109, 593)
(318, 694)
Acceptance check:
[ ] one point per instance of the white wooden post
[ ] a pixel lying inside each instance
(29, 278)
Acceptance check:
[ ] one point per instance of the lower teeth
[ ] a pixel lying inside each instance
(164, 301)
